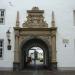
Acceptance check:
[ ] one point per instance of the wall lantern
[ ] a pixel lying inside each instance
(8, 38)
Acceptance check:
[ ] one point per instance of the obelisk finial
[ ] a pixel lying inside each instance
(17, 19)
(53, 20)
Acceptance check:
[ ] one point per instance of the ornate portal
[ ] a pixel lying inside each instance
(35, 33)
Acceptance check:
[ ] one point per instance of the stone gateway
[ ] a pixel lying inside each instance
(35, 33)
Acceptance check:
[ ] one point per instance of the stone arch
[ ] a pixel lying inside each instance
(34, 37)
(35, 29)
(35, 42)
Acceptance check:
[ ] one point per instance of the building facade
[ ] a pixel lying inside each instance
(59, 15)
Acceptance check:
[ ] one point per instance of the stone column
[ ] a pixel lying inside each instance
(16, 64)
(53, 47)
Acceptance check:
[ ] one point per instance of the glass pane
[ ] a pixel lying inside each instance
(0, 52)
(2, 13)
(0, 49)
(1, 43)
(1, 20)
(74, 17)
(1, 55)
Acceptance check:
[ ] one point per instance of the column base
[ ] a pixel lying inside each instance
(16, 66)
(54, 65)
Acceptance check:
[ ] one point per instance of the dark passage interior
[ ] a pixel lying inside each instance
(35, 54)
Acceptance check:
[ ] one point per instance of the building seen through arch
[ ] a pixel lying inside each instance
(36, 55)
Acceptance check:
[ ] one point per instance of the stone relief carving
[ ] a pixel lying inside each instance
(35, 19)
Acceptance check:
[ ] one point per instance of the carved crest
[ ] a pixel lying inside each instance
(35, 19)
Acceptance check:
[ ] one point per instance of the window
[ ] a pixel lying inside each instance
(2, 16)
(74, 17)
(1, 48)
(74, 43)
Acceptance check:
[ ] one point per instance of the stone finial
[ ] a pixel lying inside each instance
(17, 19)
(35, 8)
(53, 20)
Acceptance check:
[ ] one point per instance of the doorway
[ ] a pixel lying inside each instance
(35, 54)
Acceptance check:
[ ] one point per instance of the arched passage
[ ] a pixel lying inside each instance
(35, 43)
(38, 28)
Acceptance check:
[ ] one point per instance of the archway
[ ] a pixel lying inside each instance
(35, 27)
(33, 44)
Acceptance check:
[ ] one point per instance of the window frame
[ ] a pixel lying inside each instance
(2, 16)
(2, 47)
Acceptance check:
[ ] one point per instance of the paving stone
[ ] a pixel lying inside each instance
(37, 72)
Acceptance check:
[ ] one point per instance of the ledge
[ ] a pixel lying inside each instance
(35, 29)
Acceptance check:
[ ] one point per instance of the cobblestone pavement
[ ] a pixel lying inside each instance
(38, 72)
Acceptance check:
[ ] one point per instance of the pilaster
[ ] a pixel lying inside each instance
(16, 63)
(53, 47)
